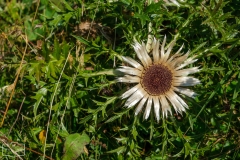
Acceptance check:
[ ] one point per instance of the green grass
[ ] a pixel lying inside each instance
(57, 75)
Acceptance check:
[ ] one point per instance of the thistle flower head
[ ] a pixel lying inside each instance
(159, 79)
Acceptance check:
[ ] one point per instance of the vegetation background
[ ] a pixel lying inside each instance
(59, 98)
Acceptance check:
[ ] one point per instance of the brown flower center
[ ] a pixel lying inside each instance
(157, 79)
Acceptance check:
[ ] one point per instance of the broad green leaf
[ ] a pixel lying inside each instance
(29, 31)
(75, 145)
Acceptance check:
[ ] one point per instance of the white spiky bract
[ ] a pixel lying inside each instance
(176, 79)
(173, 1)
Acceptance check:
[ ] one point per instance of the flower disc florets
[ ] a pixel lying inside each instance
(157, 79)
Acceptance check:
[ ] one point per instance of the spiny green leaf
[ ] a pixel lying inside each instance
(118, 150)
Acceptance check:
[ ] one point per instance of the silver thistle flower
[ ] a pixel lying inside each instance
(158, 79)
